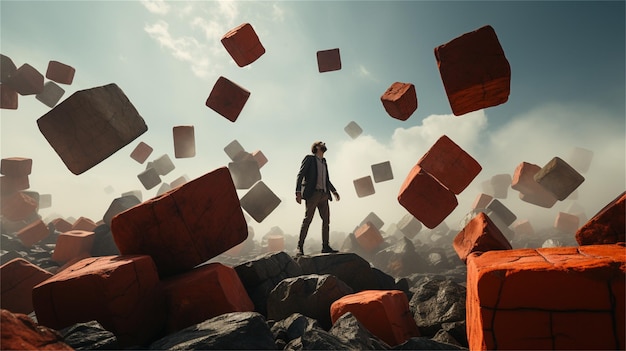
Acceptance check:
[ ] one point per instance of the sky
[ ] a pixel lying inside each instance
(567, 91)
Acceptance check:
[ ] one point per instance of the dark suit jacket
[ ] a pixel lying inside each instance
(307, 177)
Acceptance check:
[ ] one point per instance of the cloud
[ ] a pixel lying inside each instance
(159, 7)
(184, 48)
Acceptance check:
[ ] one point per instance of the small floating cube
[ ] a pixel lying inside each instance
(227, 99)
(60, 72)
(364, 186)
(184, 141)
(328, 60)
(400, 100)
(243, 44)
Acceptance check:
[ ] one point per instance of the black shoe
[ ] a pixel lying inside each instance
(328, 249)
(299, 252)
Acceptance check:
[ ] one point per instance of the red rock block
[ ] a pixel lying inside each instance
(523, 180)
(72, 244)
(450, 165)
(7, 68)
(186, 226)
(20, 332)
(275, 243)
(524, 227)
(184, 141)
(364, 186)
(243, 44)
(559, 178)
(227, 99)
(81, 128)
(368, 236)
(18, 206)
(425, 198)
(260, 158)
(606, 226)
(33, 233)
(72, 261)
(385, 313)
(328, 60)
(474, 71)
(400, 100)
(479, 235)
(18, 277)
(566, 222)
(8, 97)
(260, 201)
(202, 293)
(122, 293)
(141, 152)
(26, 80)
(10, 185)
(16, 166)
(61, 225)
(481, 201)
(84, 223)
(60, 72)
(576, 299)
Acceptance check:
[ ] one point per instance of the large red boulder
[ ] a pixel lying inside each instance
(607, 226)
(479, 235)
(185, 226)
(18, 277)
(20, 332)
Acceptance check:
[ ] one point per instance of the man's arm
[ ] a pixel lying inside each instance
(304, 166)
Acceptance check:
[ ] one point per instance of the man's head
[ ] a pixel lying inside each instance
(318, 145)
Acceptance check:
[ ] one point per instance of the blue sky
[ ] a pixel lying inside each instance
(567, 90)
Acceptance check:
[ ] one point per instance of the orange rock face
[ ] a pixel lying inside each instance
(16, 166)
(385, 313)
(185, 226)
(202, 293)
(243, 44)
(18, 277)
(72, 244)
(400, 100)
(607, 226)
(425, 198)
(20, 332)
(474, 71)
(33, 233)
(122, 293)
(560, 298)
(450, 165)
(18, 206)
(479, 235)
(368, 236)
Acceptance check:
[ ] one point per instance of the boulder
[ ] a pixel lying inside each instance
(229, 331)
(17, 279)
(607, 226)
(20, 332)
(348, 329)
(437, 300)
(291, 328)
(261, 275)
(312, 295)
(89, 336)
(479, 235)
(400, 259)
(350, 268)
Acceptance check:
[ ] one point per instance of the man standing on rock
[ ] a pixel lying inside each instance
(313, 184)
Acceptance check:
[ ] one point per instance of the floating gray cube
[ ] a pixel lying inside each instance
(374, 219)
(149, 178)
(163, 165)
(558, 177)
(364, 186)
(119, 205)
(259, 201)
(244, 173)
(233, 149)
(498, 209)
(135, 193)
(409, 226)
(163, 189)
(382, 172)
(353, 130)
(501, 184)
(51, 94)
(45, 201)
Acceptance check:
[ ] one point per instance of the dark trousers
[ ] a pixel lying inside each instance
(318, 200)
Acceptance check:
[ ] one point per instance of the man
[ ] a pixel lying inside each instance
(314, 186)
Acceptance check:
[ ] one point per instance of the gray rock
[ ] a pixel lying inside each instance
(230, 331)
(260, 276)
(103, 242)
(89, 336)
(423, 343)
(317, 339)
(400, 259)
(348, 267)
(292, 327)
(353, 333)
(437, 300)
(310, 295)
(445, 337)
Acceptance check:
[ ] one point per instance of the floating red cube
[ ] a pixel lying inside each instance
(227, 98)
